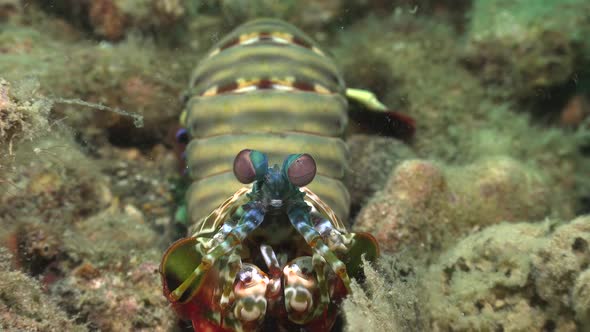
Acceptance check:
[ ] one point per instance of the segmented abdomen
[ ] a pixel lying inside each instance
(265, 86)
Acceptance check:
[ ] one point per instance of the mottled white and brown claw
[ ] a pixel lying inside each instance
(250, 295)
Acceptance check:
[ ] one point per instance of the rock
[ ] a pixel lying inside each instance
(413, 64)
(581, 298)
(560, 262)
(469, 285)
(426, 206)
(372, 159)
(110, 276)
(526, 46)
(508, 277)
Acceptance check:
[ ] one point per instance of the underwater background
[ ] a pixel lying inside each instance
(482, 216)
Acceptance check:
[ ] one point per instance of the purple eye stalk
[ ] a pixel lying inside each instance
(300, 169)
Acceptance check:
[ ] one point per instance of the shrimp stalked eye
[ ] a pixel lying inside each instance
(300, 169)
(243, 168)
(250, 165)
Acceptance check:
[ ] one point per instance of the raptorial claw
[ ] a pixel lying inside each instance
(250, 290)
(300, 218)
(177, 266)
(301, 290)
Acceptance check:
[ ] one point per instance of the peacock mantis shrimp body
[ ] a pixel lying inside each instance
(272, 255)
(275, 255)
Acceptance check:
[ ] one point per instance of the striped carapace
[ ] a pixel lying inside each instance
(267, 86)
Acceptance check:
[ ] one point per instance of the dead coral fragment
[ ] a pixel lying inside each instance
(581, 298)
(470, 287)
(561, 260)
